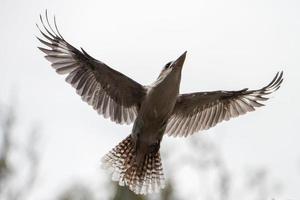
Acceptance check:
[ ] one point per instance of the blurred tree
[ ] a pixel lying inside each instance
(168, 192)
(77, 192)
(6, 123)
(205, 155)
(123, 193)
(11, 187)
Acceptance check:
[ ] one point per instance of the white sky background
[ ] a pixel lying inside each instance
(231, 45)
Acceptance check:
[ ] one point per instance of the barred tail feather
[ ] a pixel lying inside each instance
(143, 179)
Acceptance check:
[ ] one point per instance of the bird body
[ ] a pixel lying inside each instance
(155, 110)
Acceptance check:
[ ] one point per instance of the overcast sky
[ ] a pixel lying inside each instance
(231, 45)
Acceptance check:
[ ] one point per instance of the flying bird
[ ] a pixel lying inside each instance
(154, 110)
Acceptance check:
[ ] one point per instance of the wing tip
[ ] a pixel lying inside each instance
(47, 26)
(276, 82)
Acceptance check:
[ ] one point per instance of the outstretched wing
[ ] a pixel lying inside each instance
(202, 110)
(111, 93)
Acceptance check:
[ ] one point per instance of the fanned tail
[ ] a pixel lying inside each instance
(143, 179)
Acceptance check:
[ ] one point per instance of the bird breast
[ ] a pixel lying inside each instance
(158, 104)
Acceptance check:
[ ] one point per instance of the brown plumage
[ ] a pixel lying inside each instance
(145, 178)
(203, 110)
(156, 110)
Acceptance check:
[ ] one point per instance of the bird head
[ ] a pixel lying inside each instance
(172, 69)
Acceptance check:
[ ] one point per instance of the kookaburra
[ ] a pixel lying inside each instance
(154, 110)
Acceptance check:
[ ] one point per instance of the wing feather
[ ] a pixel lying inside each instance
(109, 92)
(203, 110)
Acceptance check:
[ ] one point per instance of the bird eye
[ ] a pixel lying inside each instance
(167, 65)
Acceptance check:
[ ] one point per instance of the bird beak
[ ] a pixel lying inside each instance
(179, 62)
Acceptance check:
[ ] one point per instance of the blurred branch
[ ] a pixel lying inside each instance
(7, 122)
(33, 161)
(10, 169)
